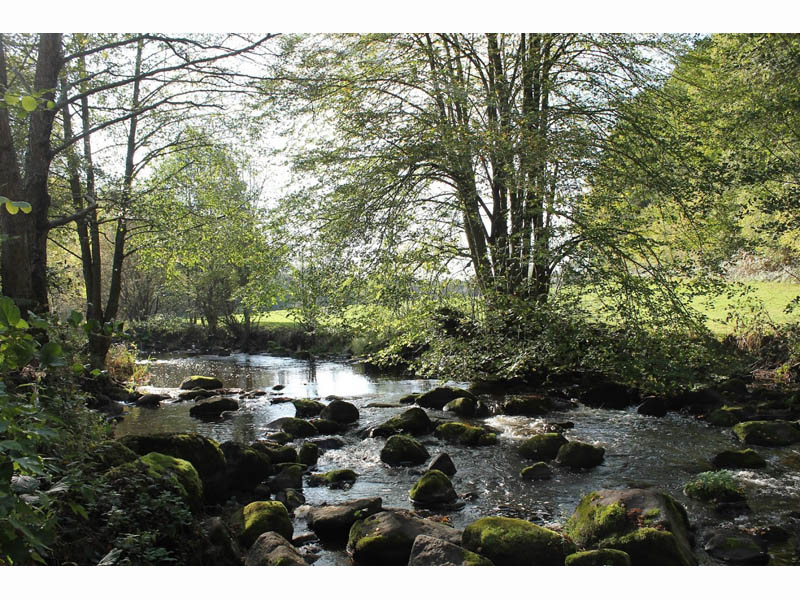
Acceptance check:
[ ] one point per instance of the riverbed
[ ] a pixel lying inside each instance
(641, 451)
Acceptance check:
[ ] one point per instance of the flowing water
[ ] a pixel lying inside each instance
(641, 451)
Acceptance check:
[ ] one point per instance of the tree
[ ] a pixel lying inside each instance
(493, 135)
(200, 61)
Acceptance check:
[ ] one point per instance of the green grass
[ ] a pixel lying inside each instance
(763, 299)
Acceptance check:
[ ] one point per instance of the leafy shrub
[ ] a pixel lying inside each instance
(715, 487)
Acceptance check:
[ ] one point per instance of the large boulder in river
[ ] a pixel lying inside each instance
(212, 408)
(340, 412)
(277, 453)
(438, 397)
(542, 447)
(273, 550)
(336, 479)
(433, 489)
(299, 428)
(332, 523)
(737, 548)
(442, 462)
(404, 450)
(578, 455)
(204, 454)
(528, 405)
(201, 382)
(413, 421)
(428, 551)
(467, 435)
(650, 526)
(247, 467)
(260, 517)
(515, 542)
(768, 433)
(467, 407)
(386, 538)
(304, 408)
(184, 475)
(738, 459)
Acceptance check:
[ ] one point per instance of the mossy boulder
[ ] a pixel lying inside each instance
(247, 467)
(537, 472)
(151, 400)
(442, 462)
(542, 447)
(738, 459)
(109, 454)
(599, 558)
(201, 382)
(299, 428)
(467, 407)
(338, 478)
(273, 550)
(734, 547)
(277, 453)
(332, 523)
(414, 421)
(280, 437)
(403, 450)
(466, 435)
(184, 474)
(211, 408)
(288, 476)
(768, 433)
(515, 542)
(428, 551)
(434, 488)
(528, 405)
(613, 519)
(195, 394)
(438, 397)
(340, 412)
(386, 538)
(577, 455)
(204, 454)
(715, 487)
(723, 417)
(305, 408)
(260, 517)
(308, 454)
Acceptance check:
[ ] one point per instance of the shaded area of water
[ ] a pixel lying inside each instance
(641, 451)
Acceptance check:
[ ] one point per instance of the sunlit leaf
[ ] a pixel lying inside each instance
(29, 103)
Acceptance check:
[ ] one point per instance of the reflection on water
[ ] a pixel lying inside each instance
(640, 451)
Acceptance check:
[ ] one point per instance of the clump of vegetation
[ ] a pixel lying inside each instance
(714, 487)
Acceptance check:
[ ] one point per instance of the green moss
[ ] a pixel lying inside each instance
(648, 547)
(413, 421)
(537, 471)
(592, 521)
(403, 449)
(598, 558)
(739, 459)
(434, 487)
(507, 541)
(307, 408)
(308, 454)
(768, 433)
(335, 478)
(299, 428)
(280, 437)
(201, 382)
(542, 447)
(259, 517)
(470, 559)
(186, 477)
(468, 435)
(111, 454)
(277, 454)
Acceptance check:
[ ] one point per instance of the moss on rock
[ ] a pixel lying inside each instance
(606, 557)
(467, 435)
(738, 459)
(515, 542)
(299, 428)
(403, 449)
(260, 517)
(306, 407)
(337, 478)
(186, 478)
(542, 447)
(768, 433)
(537, 472)
(433, 488)
(648, 547)
(308, 454)
(110, 453)
(530, 405)
(413, 421)
(201, 382)
(467, 407)
(577, 455)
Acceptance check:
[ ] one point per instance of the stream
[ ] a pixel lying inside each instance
(641, 451)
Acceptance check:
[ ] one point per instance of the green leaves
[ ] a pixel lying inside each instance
(29, 103)
(10, 317)
(52, 355)
(13, 207)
